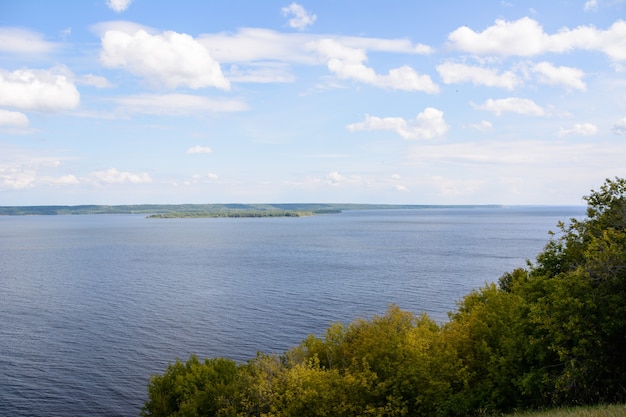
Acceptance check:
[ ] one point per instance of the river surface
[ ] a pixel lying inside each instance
(92, 305)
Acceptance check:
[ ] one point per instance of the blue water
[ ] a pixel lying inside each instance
(92, 305)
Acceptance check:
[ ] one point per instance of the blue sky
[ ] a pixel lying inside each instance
(446, 102)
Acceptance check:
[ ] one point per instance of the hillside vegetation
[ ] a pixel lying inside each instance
(550, 334)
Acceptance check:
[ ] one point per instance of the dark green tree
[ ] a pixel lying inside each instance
(576, 293)
(191, 389)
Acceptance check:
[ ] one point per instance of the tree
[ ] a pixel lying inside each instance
(192, 389)
(577, 297)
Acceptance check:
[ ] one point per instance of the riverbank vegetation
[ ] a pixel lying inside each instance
(550, 334)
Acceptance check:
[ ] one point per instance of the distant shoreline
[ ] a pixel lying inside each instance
(218, 210)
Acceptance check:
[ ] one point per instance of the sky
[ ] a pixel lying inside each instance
(329, 101)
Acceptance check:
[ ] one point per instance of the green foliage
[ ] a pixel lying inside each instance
(191, 389)
(232, 213)
(577, 298)
(548, 335)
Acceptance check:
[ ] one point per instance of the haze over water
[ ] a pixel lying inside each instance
(92, 305)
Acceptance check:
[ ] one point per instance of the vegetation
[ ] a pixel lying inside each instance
(552, 334)
(237, 213)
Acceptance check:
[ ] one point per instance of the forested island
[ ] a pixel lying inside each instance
(552, 333)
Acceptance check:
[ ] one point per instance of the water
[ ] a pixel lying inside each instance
(92, 305)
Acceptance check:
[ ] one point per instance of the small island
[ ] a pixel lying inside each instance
(239, 213)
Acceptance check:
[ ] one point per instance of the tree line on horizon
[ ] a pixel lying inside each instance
(550, 334)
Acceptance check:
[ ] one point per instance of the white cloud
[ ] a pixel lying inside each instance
(169, 59)
(201, 179)
(454, 73)
(591, 5)
(483, 126)
(22, 41)
(526, 37)
(522, 37)
(566, 76)
(13, 119)
(401, 188)
(62, 180)
(118, 6)
(13, 178)
(581, 129)
(114, 176)
(24, 172)
(335, 179)
(266, 45)
(94, 81)
(267, 72)
(620, 127)
(407, 79)
(199, 149)
(258, 45)
(344, 61)
(379, 44)
(427, 125)
(512, 105)
(45, 90)
(177, 104)
(348, 63)
(301, 18)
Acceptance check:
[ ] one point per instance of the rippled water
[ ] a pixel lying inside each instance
(92, 305)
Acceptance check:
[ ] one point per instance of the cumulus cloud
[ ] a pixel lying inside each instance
(454, 73)
(199, 149)
(620, 127)
(114, 176)
(512, 105)
(118, 6)
(526, 37)
(13, 119)
(426, 125)
(45, 90)
(565, 76)
(177, 104)
(300, 18)
(169, 59)
(348, 63)
(591, 5)
(25, 173)
(580, 129)
(22, 41)
(522, 37)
